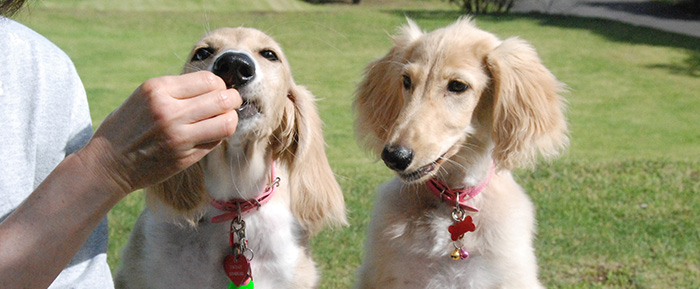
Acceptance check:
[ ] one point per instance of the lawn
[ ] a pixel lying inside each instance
(619, 210)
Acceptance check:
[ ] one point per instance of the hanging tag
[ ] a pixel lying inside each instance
(237, 269)
(458, 230)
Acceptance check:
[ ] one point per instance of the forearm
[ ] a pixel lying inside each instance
(41, 236)
(168, 124)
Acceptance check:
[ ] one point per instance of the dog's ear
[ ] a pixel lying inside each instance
(528, 112)
(379, 96)
(181, 198)
(315, 194)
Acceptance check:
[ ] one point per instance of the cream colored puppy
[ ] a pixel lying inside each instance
(244, 213)
(452, 112)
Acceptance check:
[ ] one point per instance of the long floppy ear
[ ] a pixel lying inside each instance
(181, 198)
(528, 116)
(315, 195)
(379, 96)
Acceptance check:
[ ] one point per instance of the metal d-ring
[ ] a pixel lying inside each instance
(248, 250)
(458, 214)
(276, 182)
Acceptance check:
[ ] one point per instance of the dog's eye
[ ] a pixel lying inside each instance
(202, 53)
(457, 86)
(406, 82)
(269, 55)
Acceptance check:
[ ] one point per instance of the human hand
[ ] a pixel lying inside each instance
(168, 124)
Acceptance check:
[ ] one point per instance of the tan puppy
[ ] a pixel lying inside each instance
(274, 167)
(451, 112)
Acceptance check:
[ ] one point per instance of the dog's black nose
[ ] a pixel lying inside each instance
(397, 158)
(236, 69)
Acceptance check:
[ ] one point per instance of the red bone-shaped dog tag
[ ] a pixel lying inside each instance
(237, 269)
(460, 228)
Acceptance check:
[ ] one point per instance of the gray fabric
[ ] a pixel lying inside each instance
(44, 117)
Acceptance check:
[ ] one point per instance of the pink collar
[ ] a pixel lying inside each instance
(449, 195)
(238, 207)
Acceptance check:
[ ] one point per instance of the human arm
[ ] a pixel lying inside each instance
(167, 124)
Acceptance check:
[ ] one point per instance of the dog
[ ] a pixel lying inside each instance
(451, 112)
(244, 213)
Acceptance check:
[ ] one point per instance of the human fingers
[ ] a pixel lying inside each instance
(184, 86)
(210, 104)
(212, 129)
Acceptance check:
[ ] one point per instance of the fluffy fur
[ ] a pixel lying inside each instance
(173, 244)
(460, 100)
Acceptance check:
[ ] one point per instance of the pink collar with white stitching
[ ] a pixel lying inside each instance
(240, 206)
(448, 195)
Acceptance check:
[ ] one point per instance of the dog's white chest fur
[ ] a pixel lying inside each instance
(183, 257)
(408, 243)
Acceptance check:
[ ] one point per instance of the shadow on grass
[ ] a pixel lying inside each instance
(621, 32)
(611, 30)
(657, 9)
(691, 65)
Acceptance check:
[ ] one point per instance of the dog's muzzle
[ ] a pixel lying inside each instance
(236, 69)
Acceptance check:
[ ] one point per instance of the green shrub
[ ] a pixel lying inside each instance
(484, 6)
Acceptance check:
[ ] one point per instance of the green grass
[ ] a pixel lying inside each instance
(204, 6)
(619, 224)
(619, 210)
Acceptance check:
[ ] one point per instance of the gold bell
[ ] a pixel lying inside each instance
(455, 254)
